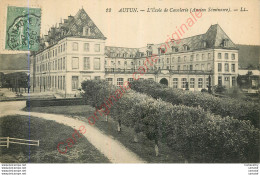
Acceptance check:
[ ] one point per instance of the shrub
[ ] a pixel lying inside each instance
(198, 135)
(238, 109)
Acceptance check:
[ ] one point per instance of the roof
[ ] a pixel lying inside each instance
(213, 38)
(73, 26)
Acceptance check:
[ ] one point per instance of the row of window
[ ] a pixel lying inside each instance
(120, 81)
(51, 82)
(226, 67)
(86, 47)
(86, 63)
(226, 79)
(58, 64)
(191, 84)
(52, 53)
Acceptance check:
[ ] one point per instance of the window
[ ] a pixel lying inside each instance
(64, 64)
(220, 80)
(63, 83)
(226, 55)
(191, 58)
(207, 82)
(179, 59)
(120, 81)
(233, 56)
(219, 56)
(97, 47)
(109, 80)
(209, 56)
(86, 63)
(202, 67)
(184, 58)
(97, 77)
(192, 82)
(118, 62)
(196, 67)
(97, 63)
(197, 57)
(130, 80)
(219, 67)
(105, 62)
(64, 47)
(173, 59)
(184, 67)
(209, 66)
(200, 82)
(168, 60)
(183, 82)
(86, 47)
(175, 83)
(75, 62)
(202, 56)
(125, 62)
(132, 63)
(191, 67)
(75, 82)
(226, 67)
(233, 81)
(55, 64)
(179, 67)
(233, 67)
(74, 46)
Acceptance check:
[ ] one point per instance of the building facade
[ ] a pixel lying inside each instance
(75, 51)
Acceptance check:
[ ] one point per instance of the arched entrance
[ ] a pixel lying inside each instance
(164, 81)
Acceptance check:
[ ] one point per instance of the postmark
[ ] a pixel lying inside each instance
(23, 28)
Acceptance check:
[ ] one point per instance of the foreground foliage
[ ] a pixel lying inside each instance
(238, 109)
(198, 135)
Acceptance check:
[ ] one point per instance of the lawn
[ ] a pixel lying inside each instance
(144, 148)
(49, 133)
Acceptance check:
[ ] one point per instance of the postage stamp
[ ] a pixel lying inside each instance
(23, 28)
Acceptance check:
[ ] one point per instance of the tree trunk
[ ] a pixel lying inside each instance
(156, 148)
(119, 126)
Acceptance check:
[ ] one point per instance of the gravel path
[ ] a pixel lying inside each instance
(112, 149)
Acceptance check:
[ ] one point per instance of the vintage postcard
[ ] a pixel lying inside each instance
(130, 81)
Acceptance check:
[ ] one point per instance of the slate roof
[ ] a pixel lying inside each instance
(73, 26)
(214, 38)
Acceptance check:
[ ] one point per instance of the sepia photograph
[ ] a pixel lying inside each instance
(109, 81)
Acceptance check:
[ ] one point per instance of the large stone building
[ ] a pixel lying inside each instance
(75, 51)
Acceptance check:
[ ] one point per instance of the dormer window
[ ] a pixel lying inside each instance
(225, 42)
(204, 43)
(175, 49)
(86, 31)
(124, 55)
(185, 47)
(162, 50)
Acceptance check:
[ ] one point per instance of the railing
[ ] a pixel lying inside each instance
(9, 140)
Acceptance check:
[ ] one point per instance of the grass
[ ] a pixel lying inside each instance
(50, 134)
(144, 148)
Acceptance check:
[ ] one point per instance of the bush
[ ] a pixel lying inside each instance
(197, 135)
(238, 109)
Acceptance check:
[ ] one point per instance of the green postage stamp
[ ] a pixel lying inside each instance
(23, 26)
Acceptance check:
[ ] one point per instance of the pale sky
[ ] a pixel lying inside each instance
(139, 29)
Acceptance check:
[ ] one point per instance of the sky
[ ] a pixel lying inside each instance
(138, 29)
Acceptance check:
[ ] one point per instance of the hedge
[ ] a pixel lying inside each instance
(238, 109)
(198, 135)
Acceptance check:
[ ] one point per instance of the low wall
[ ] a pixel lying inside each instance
(55, 102)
